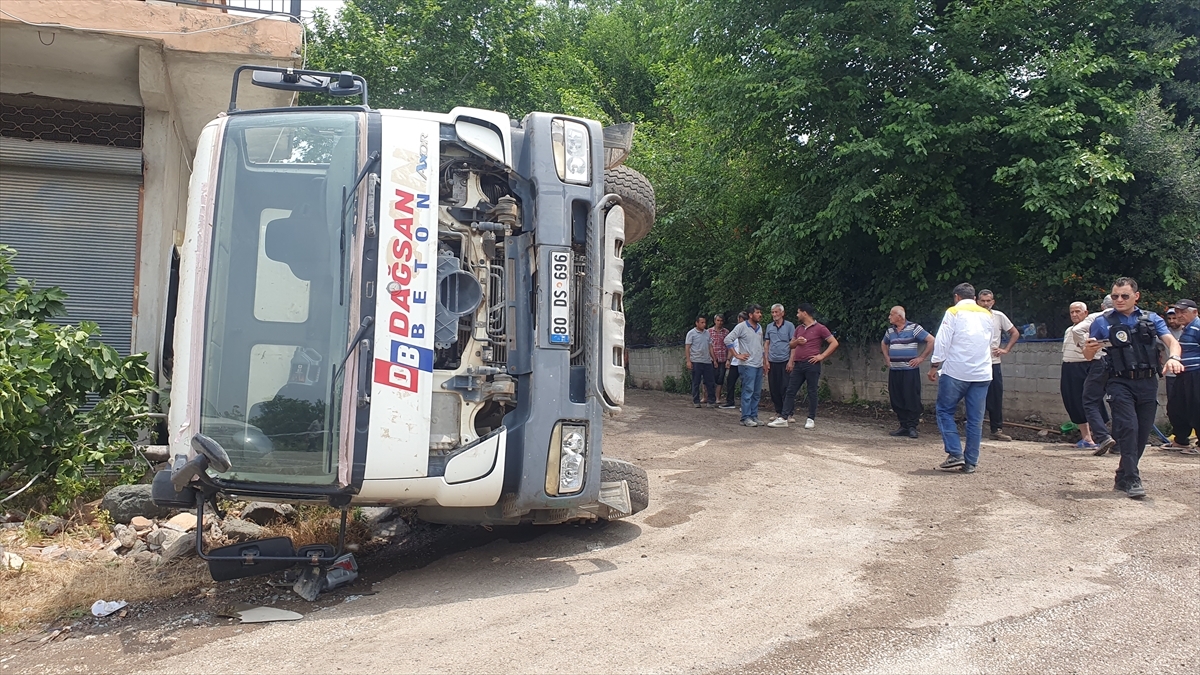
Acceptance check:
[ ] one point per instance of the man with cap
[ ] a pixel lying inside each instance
(1183, 395)
(1129, 336)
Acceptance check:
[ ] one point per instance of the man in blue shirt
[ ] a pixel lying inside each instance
(905, 346)
(1132, 388)
(775, 341)
(1183, 399)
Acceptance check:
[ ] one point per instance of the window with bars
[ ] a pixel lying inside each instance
(51, 119)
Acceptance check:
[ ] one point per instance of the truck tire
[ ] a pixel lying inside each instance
(612, 470)
(637, 198)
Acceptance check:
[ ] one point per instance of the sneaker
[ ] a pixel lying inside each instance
(810, 424)
(968, 468)
(778, 423)
(912, 432)
(1000, 436)
(1135, 489)
(951, 463)
(1106, 445)
(748, 422)
(695, 405)
(899, 432)
(727, 406)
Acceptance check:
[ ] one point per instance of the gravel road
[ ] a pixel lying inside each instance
(836, 549)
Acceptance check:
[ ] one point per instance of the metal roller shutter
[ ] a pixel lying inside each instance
(71, 211)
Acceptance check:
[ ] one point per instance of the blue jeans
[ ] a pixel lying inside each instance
(950, 392)
(751, 378)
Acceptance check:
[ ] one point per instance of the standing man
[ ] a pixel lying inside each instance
(1094, 407)
(775, 339)
(716, 337)
(995, 397)
(698, 353)
(804, 364)
(962, 368)
(748, 336)
(904, 347)
(1175, 323)
(1183, 398)
(1129, 336)
(1074, 373)
(731, 384)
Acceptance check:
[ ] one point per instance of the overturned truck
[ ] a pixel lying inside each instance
(390, 307)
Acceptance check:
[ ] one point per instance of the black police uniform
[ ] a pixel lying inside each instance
(1132, 387)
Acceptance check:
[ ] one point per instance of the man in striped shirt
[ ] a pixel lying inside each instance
(1183, 399)
(902, 349)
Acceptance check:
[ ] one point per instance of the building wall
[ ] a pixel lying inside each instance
(173, 61)
(1031, 377)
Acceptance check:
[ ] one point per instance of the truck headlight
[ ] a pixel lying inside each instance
(572, 151)
(567, 460)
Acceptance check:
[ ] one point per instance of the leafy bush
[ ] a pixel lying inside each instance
(47, 372)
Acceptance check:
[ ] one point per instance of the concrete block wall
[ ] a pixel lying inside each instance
(1031, 377)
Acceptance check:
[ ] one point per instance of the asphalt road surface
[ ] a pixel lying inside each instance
(837, 549)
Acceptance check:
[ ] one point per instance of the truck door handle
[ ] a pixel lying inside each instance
(363, 381)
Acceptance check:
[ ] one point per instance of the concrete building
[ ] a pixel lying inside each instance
(101, 103)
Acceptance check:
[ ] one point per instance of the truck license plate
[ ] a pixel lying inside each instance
(560, 297)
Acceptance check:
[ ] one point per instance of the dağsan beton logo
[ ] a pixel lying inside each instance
(410, 307)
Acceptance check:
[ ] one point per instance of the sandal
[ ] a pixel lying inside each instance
(1190, 451)
(1084, 445)
(1174, 447)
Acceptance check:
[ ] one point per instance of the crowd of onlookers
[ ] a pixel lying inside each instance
(788, 355)
(1111, 361)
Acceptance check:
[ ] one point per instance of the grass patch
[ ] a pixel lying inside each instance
(62, 589)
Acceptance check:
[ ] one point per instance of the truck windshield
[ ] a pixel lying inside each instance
(276, 324)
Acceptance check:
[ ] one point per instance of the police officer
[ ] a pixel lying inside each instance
(1130, 337)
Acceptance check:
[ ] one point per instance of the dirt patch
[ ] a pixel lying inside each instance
(763, 550)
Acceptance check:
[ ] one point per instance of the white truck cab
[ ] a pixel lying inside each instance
(390, 307)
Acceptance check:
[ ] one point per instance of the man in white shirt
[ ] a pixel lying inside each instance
(995, 397)
(962, 367)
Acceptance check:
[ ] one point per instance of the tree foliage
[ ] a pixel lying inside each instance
(852, 154)
(47, 372)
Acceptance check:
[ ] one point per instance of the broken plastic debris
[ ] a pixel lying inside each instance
(265, 614)
(308, 586)
(106, 607)
(341, 572)
(12, 561)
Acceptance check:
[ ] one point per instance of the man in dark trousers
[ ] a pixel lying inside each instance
(1129, 335)
(775, 342)
(1094, 407)
(1002, 327)
(905, 346)
(1183, 399)
(731, 380)
(698, 354)
(808, 350)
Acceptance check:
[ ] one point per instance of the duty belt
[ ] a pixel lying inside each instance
(1137, 374)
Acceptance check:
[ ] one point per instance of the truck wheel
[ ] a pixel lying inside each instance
(612, 470)
(637, 198)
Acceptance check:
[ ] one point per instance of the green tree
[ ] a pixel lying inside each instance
(47, 372)
(891, 149)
